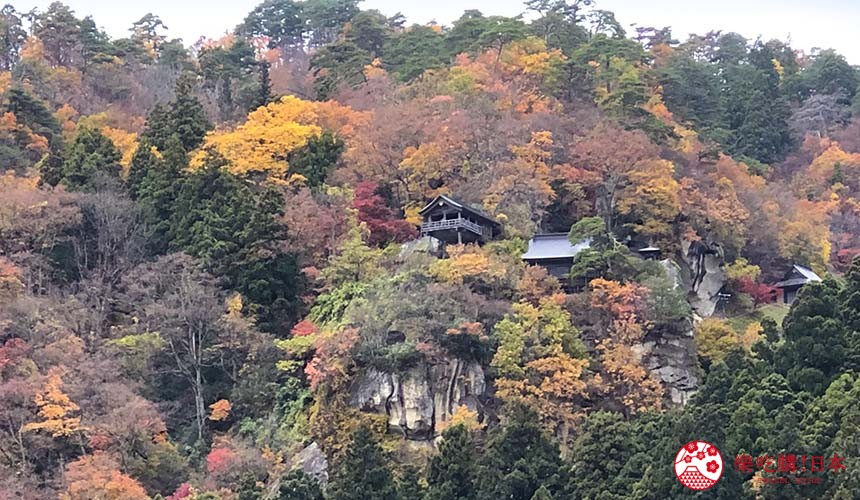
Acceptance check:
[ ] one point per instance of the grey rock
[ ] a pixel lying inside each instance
(703, 275)
(418, 401)
(311, 460)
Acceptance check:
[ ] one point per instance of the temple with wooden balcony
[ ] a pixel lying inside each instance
(452, 221)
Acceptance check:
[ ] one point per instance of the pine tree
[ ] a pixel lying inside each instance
(362, 473)
(451, 473)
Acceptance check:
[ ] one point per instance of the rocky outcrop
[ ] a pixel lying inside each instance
(671, 355)
(670, 351)
(420, 399)
(702, 274)
(425, 244)
(311, 460)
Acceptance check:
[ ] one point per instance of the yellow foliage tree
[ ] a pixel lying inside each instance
(715, 339)
(652, 199)
(125, 141)
(59, 415)
(521, 190)
(262, 144)
(220, 410)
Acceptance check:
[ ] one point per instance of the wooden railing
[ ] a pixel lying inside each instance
(441, 225)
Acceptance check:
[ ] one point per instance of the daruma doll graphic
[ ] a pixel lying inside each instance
(698, 465)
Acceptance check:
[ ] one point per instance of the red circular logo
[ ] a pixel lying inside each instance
(698, 465)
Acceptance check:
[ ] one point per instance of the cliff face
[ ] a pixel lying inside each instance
(419, 400)
(702, 274)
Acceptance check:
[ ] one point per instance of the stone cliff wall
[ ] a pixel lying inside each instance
(419, 400)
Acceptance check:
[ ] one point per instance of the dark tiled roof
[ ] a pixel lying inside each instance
(806, 275)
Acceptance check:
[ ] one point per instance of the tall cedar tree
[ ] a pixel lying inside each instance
(452, 474)
(299, 486)
(184, 117)
(233, 229)
(519, 459)
(155, 183)
(814, 348)
(89, 159)
(362, 473)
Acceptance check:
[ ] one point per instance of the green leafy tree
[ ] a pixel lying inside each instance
(410, 53)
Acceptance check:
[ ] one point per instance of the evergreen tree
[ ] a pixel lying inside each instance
(361, 473)
(299, 486)
(600, 452)
(264, 94)
(408, 485)
(159, 127)
(184, 117)
(814, 348)
(233, 230)
(90, 158)
(155, 183)
(317, 158)
(32, 112)
(187, 116)
(519, 459)
(451, 474)
(542, 494)
(850, 308)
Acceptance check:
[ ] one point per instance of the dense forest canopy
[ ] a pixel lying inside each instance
(213, 283)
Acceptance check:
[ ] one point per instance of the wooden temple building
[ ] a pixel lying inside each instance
(555, 252)
(451, 221)
(794, 280)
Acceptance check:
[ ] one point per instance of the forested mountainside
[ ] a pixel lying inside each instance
(213, 283)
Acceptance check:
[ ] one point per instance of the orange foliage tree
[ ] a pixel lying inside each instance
(98, 476)
(621, 329)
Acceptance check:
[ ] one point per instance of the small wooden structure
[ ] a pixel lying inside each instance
(650, 253)
(555, 252)
(794, 281)
(452, 221)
